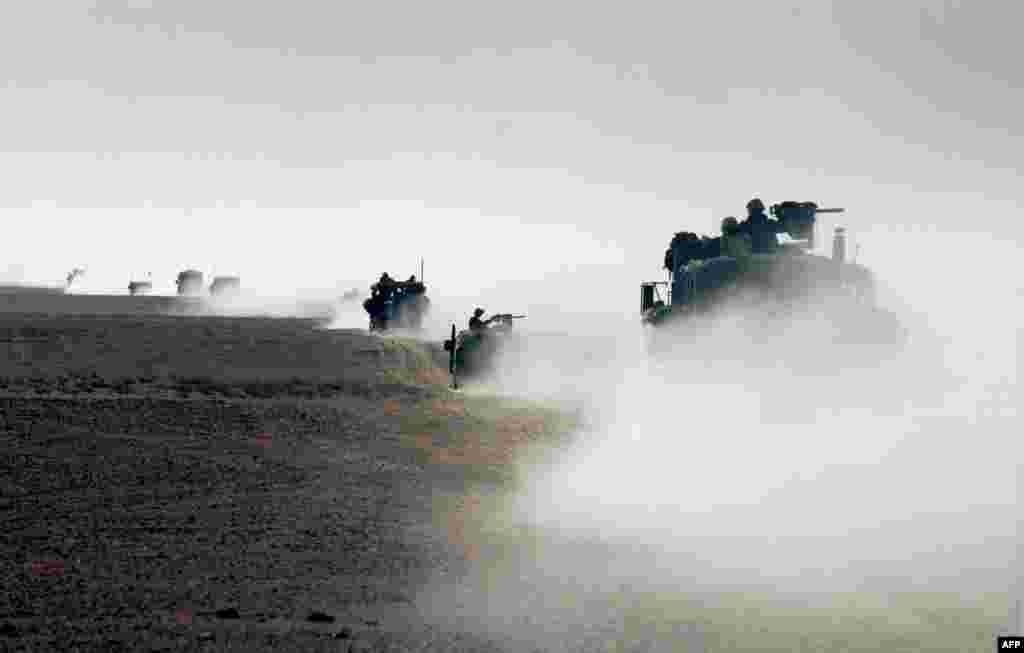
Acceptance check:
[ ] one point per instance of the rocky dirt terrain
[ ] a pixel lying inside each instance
(247, 484)
(201, 484)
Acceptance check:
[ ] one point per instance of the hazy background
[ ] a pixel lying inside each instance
(539, 157)
(315, 144)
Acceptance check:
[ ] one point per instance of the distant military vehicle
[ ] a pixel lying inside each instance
(397, 304)
(748, 265)
(225, 286)
(473, 351)
(140, 287)
(190, 282)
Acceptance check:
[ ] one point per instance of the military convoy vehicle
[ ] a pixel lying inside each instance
(748, 266)
(140, 287)
(397, 304)
(473, 352)
(189, 283)
(225, 287)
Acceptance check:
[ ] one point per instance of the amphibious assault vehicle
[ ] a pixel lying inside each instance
(397, 304)
(473, 351)
(189, 283)
(225, 287)
(778, 283)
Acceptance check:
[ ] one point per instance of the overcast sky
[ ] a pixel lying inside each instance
(305, 143)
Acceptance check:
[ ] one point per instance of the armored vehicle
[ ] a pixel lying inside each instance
(225, 286)
(473, 351)
(750, 270)
(397, 304)
(140, 287)
(190, 283)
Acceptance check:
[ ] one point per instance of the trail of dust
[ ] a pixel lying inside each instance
(804, 476)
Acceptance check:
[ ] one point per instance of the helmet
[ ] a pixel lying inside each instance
(755, 205)
(729, 224)
(478, 312)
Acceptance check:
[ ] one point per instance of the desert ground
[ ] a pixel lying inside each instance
(251, 484)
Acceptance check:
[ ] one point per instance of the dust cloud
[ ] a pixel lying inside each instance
(756, 457)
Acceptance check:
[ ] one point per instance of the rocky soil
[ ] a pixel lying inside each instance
(216, 484)
(204, 483)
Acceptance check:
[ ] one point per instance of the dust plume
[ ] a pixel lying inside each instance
(763, 456)
(323, 306)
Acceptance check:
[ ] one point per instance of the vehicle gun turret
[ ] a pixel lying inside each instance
(797, 219)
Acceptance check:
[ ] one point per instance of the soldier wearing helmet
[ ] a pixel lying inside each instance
(755, 211)
(475, 323)
(734, 242)
(762, 233)
(384, 285)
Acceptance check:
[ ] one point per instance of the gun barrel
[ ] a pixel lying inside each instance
(830, 210)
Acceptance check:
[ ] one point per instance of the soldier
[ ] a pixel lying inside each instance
(730, 226)
(762, 234)
(755, 211)
(735, 243)
(689, 247)
(385, 286)
(477, 325)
